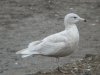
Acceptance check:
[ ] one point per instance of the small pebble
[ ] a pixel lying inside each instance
(71, 8)
(16, 63)
(31, 8)
(93, 24)
(89, 66)
(76, 68)
(88, 69)
(97, 20)
(92, 7)
(56, 15)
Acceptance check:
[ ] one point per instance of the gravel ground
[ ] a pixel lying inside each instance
(23, 21)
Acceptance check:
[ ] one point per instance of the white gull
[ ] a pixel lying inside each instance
(57, 45)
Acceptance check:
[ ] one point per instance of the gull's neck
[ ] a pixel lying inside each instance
(69, 25)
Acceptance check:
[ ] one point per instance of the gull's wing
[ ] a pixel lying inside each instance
(51, 44)
(48, 46)
(34, 43)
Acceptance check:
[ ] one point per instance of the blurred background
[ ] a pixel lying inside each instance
(23, 21)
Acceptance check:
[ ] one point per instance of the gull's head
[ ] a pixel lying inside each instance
(72, 18)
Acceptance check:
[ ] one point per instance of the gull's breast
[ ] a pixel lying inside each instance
(73, 37)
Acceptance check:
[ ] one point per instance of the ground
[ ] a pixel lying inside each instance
(23, 21)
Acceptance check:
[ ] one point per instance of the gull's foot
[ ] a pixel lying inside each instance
(63, 70)
(60, 70)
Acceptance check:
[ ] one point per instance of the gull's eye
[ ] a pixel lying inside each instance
(74, 17)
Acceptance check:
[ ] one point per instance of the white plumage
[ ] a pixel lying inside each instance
(57, 45)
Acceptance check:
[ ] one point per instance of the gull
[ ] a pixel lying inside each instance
(59, 44)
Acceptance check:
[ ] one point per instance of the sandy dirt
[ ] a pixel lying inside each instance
(23, 21)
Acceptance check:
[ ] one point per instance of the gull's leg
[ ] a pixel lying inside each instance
(38, 64)
(58, 66)
(51, 60)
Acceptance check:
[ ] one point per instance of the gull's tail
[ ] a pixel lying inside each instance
(30, 50)
(26, 52)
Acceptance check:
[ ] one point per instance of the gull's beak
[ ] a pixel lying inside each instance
(82, 19)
